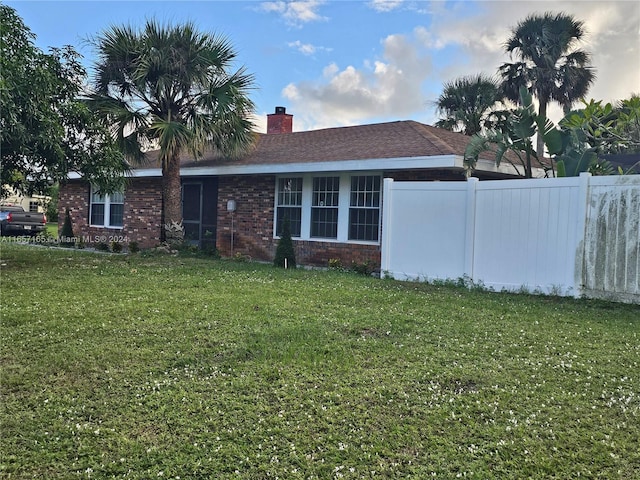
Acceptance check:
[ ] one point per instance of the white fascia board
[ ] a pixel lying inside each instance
(406, 163)
(377, 164)
(143, 172)
(373, 164)
(146, 172)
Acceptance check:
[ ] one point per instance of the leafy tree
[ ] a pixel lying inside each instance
(596, 130)
(45, 131)
(170, 87)
(466, 104)
(549, 64)
(51, 207)
(609, 128)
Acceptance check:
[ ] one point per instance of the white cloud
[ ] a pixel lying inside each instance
(382, 87)
(613, 38)
(307, 48)
(462, 38)
(295, 12)
(385, 5)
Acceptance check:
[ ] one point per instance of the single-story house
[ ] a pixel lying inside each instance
(327, 182)
(30, 203)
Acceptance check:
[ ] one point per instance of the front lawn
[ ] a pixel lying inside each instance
(140, 366)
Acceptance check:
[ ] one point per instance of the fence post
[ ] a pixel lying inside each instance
(470, 228)
(581, 230)
(385, 254)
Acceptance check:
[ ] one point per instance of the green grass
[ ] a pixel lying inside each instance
(52, 229)
(185, 367)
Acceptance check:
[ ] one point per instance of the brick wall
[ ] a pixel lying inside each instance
(253, 219)
(253, 227)
(319, 253)
(142, 213)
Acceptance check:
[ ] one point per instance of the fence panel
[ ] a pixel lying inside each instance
(612, 238)
(424, 229)
(526, 235)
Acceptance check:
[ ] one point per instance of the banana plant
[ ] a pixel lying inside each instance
(513, 141)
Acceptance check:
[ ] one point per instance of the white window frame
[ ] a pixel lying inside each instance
(286, 200)
(365, 202)
(107, 201)
(344, 204)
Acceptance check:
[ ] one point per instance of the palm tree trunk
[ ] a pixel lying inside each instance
(542, 112)
(172, 200)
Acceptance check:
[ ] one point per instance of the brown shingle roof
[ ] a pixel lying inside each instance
(399, 139)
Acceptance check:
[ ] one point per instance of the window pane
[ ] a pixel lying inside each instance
(324, 215)
(96, 198)
(97, 214)
(294, 214)
(326, 191)
(116, 213)
(324, 222)
(289, 202)
(364, 224)
(117, 197)
(365, 191)
(364, 221)
(290, 191)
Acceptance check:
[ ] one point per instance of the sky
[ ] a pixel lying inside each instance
(335, 63)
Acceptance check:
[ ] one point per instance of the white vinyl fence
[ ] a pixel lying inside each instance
(567, 236)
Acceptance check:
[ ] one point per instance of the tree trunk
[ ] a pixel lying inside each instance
(542, 112)
(172, 200)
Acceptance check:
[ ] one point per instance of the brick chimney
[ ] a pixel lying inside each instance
(279, 122)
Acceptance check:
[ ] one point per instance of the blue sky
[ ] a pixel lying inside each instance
(335, 63)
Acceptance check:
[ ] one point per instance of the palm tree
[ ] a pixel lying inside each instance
(170, 87)
(467, 102)
(549, 65)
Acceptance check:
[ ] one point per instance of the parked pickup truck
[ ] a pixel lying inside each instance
(14, 220)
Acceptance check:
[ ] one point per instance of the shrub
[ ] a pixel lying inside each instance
(284, 250)
(102, 246)
(134, 247)
(116, 247)
(335, 264)
(239, 257)
(364, 268)
(67, 231)
(208, 245)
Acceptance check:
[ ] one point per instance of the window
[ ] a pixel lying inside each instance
(106, 210)
(324, 207)
(364, 210)
(33, 206)
(289, 205)
(334, 207)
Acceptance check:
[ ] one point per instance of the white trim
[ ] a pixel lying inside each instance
(378, 164)
(406, 163)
